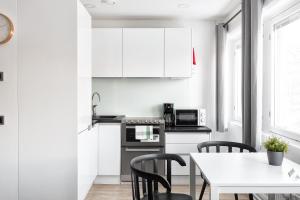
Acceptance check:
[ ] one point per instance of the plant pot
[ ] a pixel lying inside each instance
(275, 158)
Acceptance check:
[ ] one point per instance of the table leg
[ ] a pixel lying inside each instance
(192, 178)
(214, 193)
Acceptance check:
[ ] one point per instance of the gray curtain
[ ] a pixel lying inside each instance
(251, 51)
(220, 54)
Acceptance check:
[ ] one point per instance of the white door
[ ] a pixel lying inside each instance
(84, 69)
(107, 52)
(178, 52)
(109, 149)
(143, 52)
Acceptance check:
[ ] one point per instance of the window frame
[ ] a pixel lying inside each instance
(269, 72)
(236, 117)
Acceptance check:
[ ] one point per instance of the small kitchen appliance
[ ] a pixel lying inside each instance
(186, 117)
(169, 115)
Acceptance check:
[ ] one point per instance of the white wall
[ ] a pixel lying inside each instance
(9, 108)
(47, 99)
(144, 97)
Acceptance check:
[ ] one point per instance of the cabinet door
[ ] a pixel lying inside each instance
(178, 49)
(109, 149)
(183, 144)
(143, 52)
(107, 52)
(94, 152)
(84, 69)
(87, 160)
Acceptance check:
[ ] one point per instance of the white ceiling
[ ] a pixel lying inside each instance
(197, 9)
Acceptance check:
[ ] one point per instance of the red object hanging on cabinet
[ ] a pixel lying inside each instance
(194, 57)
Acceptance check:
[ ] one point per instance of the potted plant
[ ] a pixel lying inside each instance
(275, 150)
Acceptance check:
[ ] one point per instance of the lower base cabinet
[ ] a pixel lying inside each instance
(183, 144)
(109, 155)
(87, 160)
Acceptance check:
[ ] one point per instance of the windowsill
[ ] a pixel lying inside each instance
(284, 135)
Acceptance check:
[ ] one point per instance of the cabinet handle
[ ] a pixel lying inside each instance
(141, 150)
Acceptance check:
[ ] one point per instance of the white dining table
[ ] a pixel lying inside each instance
(243, 173)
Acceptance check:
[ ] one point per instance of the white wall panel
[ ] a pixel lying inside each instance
(47, 99)
(9, 108)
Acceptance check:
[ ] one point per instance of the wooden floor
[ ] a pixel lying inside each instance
(123, 192)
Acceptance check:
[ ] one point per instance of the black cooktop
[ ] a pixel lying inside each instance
(188, 129)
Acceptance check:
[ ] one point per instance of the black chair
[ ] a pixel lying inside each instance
(218, 145)
(150, 180)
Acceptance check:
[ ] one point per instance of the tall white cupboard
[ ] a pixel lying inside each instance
(46, 67)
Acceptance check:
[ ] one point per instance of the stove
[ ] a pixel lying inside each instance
(144, 120)
(133, 147)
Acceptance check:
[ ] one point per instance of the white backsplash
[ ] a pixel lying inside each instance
(144, 97)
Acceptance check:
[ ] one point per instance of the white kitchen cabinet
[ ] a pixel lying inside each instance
(109, 160)
(107, 52)
(87, 160)
(47, 139)
(143, 52)
(183, 144)
(87, 142)
(84, 84)
(186, 138)
(178, 52)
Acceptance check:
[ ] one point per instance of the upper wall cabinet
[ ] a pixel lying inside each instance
(107, 52)
(143, 52)
(178, 52)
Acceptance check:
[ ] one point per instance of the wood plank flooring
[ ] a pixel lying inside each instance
(123, 192)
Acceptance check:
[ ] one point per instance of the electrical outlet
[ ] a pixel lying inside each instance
(1, 120)
(1, 76)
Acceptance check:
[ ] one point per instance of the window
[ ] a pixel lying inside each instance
(285, 84)
(237, 82)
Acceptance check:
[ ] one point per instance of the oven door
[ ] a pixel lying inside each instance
(128, 153)
(128, 136)
(186, 117)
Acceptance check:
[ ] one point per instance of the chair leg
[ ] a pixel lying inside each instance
(236, 197)
(202, 190)
(250, 196)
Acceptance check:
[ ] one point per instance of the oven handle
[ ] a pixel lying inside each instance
(133, 126)
(141, 150)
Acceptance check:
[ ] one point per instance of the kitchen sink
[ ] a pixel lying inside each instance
(105, 117)
(108, 116)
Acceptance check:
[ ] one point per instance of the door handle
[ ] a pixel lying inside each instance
(142, 150)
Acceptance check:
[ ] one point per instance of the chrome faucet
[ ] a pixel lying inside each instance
(95, 105)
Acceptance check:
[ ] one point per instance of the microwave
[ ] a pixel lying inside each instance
(186, 117)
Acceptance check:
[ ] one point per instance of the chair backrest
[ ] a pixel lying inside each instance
(229, 145)
(150, 180)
